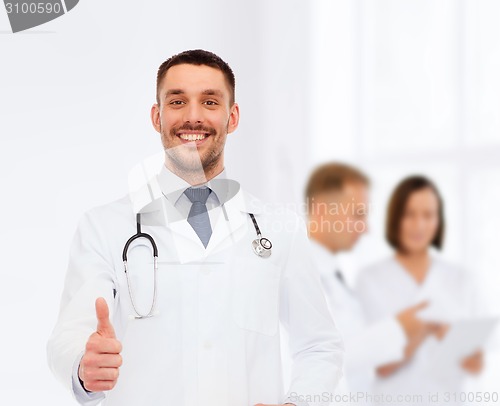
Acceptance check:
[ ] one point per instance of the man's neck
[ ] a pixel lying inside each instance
(317, 238)
(197, 177)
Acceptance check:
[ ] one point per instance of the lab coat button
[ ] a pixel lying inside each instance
(207, 345)
(206, 271)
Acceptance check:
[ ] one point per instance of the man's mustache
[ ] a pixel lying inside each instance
(188, 127)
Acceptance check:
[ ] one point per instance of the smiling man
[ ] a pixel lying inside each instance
(221, 298)
(195, 107)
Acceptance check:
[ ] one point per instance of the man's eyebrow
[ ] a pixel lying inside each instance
(174, 91)
(207, 92)
(213, 92)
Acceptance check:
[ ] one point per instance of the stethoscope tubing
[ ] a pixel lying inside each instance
(261, 246)
(140, 234)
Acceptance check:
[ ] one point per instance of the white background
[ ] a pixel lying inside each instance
(397, 87)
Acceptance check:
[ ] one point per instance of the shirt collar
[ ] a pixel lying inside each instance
(326, 261)
(148, 198)
(173, 186)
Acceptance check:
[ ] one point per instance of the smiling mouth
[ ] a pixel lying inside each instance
(193, 136)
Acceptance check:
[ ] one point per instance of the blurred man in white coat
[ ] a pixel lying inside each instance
(337, 202)
(204, 329)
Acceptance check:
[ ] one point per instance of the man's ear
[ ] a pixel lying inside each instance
(234, 118)
(155, 117)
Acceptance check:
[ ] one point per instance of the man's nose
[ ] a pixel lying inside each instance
(193, 113)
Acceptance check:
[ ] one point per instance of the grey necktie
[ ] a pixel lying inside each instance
(198, 215)
(340, 276)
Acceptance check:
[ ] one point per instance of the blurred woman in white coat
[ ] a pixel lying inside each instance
(415, 225)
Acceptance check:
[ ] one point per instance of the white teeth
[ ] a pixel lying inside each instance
(192, 137)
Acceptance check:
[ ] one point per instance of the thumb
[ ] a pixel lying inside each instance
(104, 326)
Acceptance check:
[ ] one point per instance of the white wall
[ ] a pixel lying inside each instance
(402, 87)
(413, 86)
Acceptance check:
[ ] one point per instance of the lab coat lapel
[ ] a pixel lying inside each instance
(233, 220)
(231, 224)
(187, 243)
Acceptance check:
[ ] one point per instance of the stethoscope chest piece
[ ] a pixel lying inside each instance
(262, 247)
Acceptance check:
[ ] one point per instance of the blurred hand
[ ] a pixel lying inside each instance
(413, 326)
(474, 363)
(439, 330)
(99, 365)
(416, 332)
(416, 329)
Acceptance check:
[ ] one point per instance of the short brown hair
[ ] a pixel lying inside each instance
(397, 205)
(197, 57)
(332, 177)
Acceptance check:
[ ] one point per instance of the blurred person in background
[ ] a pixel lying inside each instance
(415, 225)
(337, 206)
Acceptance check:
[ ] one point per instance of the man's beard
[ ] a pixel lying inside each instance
(187, 158)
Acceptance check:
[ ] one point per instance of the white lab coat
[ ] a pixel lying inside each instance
(216, 337)
(386, 288)
(367, 345)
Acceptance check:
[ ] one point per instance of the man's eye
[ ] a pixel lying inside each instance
(176, 102)
(210, 103)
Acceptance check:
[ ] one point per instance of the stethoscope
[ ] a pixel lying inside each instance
(261, 246)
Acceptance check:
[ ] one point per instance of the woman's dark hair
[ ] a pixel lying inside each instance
(397, 206)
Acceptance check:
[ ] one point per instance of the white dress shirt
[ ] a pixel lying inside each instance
(215, 338)
(173, 189)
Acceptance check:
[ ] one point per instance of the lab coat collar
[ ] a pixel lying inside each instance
(231, 223)
(167, 184)
(327, 262)
(173, 186)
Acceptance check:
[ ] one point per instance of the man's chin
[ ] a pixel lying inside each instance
(190, 163)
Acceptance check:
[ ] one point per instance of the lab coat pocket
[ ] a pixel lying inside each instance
(255, 294)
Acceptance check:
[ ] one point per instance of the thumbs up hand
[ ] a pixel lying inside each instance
(100, 364)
